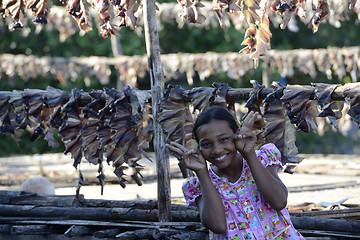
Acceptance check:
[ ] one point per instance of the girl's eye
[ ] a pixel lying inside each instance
(204, 145)
(225, 139)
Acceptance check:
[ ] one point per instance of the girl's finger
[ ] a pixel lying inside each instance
(179, 152)
(253, 119)
(250, 119)
(178, 145)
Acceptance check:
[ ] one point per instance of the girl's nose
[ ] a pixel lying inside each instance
(217, 148)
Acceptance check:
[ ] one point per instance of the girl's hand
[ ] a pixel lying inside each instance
(245, 137)
(193, 159)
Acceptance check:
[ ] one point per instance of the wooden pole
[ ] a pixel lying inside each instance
(157, 87)
(117, 52)
(266, 77)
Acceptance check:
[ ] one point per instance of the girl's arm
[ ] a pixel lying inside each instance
(268, 182)
(266, 179)
(212, 213)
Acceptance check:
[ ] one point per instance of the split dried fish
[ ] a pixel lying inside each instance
(300, 109)
(330, 108)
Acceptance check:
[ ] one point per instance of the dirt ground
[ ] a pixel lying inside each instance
(313, 180)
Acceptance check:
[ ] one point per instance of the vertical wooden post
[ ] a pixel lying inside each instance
(157, 87)
(117, 51)
(266, 72)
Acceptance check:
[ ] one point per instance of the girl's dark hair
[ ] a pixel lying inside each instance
(217, 113)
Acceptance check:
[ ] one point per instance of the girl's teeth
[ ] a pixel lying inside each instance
(220, 158)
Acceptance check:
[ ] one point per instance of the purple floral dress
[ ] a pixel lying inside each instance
(248, 215)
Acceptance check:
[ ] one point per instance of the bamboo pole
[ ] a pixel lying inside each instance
(157, 87)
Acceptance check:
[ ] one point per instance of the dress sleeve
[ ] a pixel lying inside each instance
(269, 154)
(191, 190)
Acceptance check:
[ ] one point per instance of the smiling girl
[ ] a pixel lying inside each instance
(240, 195)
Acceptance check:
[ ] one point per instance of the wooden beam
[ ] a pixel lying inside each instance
(94, 213)
(157, 89)
(325, 224)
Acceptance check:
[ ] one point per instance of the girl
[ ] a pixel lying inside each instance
(240, 196)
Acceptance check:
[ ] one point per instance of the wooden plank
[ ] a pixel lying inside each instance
(107, 233)
(328, 234)
(351, 213)
(122, 223)
(19, 198)
(337, 225)
(157, 89)
(140, 234)
(93, 213)
(76, 231)
(55, 201)
(5, 228)
(32, 230)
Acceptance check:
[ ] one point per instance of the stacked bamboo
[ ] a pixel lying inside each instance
(62, 217)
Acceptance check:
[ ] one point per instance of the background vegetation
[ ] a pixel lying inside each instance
(174, 40)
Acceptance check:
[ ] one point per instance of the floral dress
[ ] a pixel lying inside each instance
(248, 215)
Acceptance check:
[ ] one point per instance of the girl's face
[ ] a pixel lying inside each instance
(216, 143)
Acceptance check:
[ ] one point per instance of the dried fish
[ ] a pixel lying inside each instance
(352, 96)
(321, 11)
(258, 34)
(278, 129)
(70, 129)
(15, 9)
(201, 97)
(176, 120)
(40, 9)
(330, 108)
(79, 11)
(300, 109)
(254, 103)
(190, 11)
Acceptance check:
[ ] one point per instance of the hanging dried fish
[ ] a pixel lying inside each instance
(40, 9)
(176, 120)
(201, 97)
(278, 129)
(229, 6)
(352, 96)
(220, 94)
(7, 115)
(255, 103)
(104, 131)
(258, 34)
(286, 8)
(274, 116)
(33, 99)
(79, 11)
(73, 123)
(127, 124)
(300, 109)
(89, 138)
(126, 8)
(190, 11)
(4, 104)
(330, 108)
(321, 12)
(52, 116)
(15, 9)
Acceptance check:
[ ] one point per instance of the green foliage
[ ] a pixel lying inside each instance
(10, 147)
